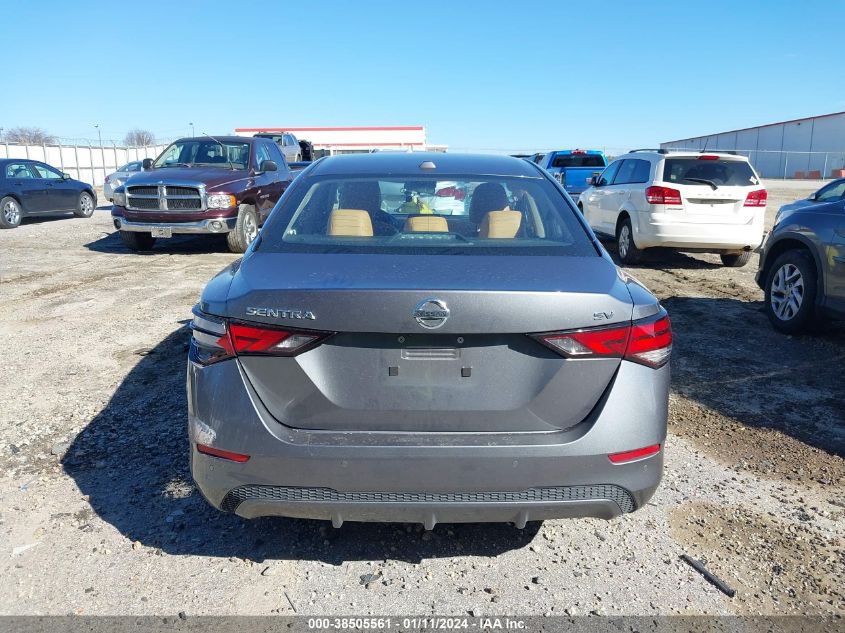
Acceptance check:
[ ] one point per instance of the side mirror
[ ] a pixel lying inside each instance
(596, 181)
(814, 196)
(267, 165)
(147, 163)
(66, 176)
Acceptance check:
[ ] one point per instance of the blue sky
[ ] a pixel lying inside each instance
(477, 74)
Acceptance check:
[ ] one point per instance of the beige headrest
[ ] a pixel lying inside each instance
(350, 223)
(502, 224)
(426, 224)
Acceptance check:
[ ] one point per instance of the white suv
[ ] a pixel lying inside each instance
(692, 201)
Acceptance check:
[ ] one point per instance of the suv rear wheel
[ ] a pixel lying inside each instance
(137, 241)
(245, 231)
(791, 292)
(736, 260)
(625, 247)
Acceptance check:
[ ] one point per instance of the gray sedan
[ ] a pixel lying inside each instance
(115, 180)
(373, 359)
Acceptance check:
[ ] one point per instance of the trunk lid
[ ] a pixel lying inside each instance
(384, 371)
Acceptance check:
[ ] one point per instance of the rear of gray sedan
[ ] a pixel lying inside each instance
(427, 338)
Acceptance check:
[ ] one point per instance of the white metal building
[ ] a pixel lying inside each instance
(801, 148)
(344, 140)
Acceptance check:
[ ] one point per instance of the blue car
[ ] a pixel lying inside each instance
(573, 168)
(30, 187)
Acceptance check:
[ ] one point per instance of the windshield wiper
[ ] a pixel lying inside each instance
(703, 181)
(175, 165)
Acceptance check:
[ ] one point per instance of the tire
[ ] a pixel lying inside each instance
(11, 213)
(84, 206)
(625, 247)
(245, 231)
(581, 208)
(137, 241)
(791, 287)
(735, 260)
(297, 158)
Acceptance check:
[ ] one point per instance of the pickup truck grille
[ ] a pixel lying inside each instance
(164, 198)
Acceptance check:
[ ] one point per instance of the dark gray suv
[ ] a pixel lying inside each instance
(427, 338)
(802, 266)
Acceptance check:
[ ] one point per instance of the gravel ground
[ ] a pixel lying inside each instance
(98, 514)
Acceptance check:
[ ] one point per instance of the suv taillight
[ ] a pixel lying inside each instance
(646, 342)
(756, 198)
(662, 195)
(215, 340)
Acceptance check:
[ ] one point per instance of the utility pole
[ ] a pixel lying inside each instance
(192, 129)
(102, 151)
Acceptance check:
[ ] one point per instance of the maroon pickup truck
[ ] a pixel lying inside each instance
(223, 185)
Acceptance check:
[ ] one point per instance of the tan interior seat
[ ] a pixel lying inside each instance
(426, 224)
(503, 224)
(350, 223)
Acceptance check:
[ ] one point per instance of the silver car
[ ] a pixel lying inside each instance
(116, 179)
(371, 359)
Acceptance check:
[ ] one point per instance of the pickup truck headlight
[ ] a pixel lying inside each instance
(119, 198)
(221, 201)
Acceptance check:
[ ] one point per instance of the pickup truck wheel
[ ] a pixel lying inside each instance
(245, 231)
(791, 292)
(84, 206)
(297, 158)
(10, 213)
(625, 247)
(735, 260)
(137, 241)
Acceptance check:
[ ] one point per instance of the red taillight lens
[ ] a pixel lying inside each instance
(578, 151)
(216, 452)
(662, 195)
(644, 342)
(254, 340)
(708, 157)
(756, 198)
(630, 456)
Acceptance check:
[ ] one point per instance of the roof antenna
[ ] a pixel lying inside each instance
(706, 140)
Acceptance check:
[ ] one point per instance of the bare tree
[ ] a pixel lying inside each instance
(139, 138)
(29, 136)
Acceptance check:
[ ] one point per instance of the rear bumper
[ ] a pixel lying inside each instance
(211, 226)
(427, 478)
(655, 231)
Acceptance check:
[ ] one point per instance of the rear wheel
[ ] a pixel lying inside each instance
(735, 260)
(10, 213)
(245, 231)
(84, 206)
(138, 241)
(625, 247)
(791, 292)
(581, 208)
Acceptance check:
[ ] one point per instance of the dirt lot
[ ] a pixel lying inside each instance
(98, 514)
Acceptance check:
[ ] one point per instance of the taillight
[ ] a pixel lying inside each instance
(645, 342)
(756, 198)
(662, 195)
(215, 340)
(708, 157)
(250, 340)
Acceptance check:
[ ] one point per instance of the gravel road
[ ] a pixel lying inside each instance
(98, 514)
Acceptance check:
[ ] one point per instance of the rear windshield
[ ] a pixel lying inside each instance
(426, 215)
(578, 160)
(692, 171)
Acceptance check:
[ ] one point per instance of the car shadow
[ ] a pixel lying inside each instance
(662, 258)
(176, 245)
(131, 461)
(728, 357)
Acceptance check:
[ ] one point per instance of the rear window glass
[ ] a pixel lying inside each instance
(426, 215)
(720, 172)
(578, 160)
